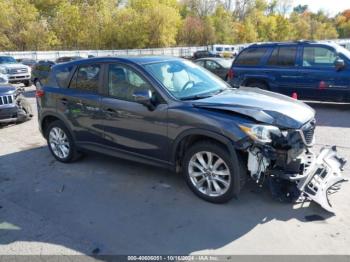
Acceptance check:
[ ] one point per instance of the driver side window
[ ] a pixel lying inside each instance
(318, 56)
(123, 82)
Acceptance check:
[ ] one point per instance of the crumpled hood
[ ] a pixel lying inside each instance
(263, 106)
(7, 89)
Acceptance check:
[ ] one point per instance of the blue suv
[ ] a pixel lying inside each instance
(314, 70)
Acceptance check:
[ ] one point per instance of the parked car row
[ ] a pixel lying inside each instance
(27, 71)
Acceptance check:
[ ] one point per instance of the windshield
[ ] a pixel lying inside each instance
(7, 60)
(344, 51)
(185, 80)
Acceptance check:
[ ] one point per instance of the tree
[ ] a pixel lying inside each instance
(67, 25)
(191, 31)
(342, 22)
(22, 28)
(201, 8)
(299, 9)
(128, 30)
(223, 25)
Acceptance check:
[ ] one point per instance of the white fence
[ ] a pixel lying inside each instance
(173, 51)
(52, 55)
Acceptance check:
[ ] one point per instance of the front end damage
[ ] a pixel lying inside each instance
(293, 171)
(14, 107)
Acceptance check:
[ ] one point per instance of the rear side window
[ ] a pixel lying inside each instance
(283, 56)
(318, 56)
(62, 75)
(201, 63)
(251, 56)
(86, 78)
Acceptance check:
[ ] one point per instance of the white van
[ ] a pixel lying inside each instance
(222, 50)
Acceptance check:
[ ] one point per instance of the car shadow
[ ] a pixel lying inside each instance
(103, 205)
(325, 113)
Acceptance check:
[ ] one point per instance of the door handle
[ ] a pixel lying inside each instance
(289, 76)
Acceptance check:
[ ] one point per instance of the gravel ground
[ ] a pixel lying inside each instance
(103, 205)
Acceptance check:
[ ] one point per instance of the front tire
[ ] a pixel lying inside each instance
(60, 142)
(209, 172)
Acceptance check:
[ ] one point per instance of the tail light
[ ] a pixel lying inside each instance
(39, 93)
(230, 74)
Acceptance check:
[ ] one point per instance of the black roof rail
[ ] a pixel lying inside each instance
(283, 43)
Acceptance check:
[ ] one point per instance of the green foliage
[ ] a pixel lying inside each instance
(126, 24)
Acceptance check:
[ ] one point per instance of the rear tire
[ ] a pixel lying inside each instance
(61, 143)
(209, 171)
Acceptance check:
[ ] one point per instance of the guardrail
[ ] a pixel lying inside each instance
(172, 51)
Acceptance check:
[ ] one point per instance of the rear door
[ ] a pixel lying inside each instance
(248, 66)
(283, 70)
(320, 78)
(80, 103)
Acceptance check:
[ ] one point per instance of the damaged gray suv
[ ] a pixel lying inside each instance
(172, 113)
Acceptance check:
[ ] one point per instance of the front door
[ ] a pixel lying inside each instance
(321, 80)
(131, 127)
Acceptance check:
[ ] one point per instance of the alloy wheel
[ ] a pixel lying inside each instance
(59, 143)
(209, 174)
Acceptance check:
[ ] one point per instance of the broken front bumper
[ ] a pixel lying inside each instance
(322, 176)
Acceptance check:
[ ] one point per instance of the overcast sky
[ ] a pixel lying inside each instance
(330, 6)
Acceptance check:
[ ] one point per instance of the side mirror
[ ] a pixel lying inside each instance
(339, 64)
(144, 98)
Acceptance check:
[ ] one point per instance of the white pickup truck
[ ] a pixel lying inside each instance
(14, 71)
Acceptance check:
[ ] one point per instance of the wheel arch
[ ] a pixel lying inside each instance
(190, 137)
(252, 80)
(48, 118)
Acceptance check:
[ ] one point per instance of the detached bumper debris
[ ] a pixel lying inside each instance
(322, 177)
(303, 176)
